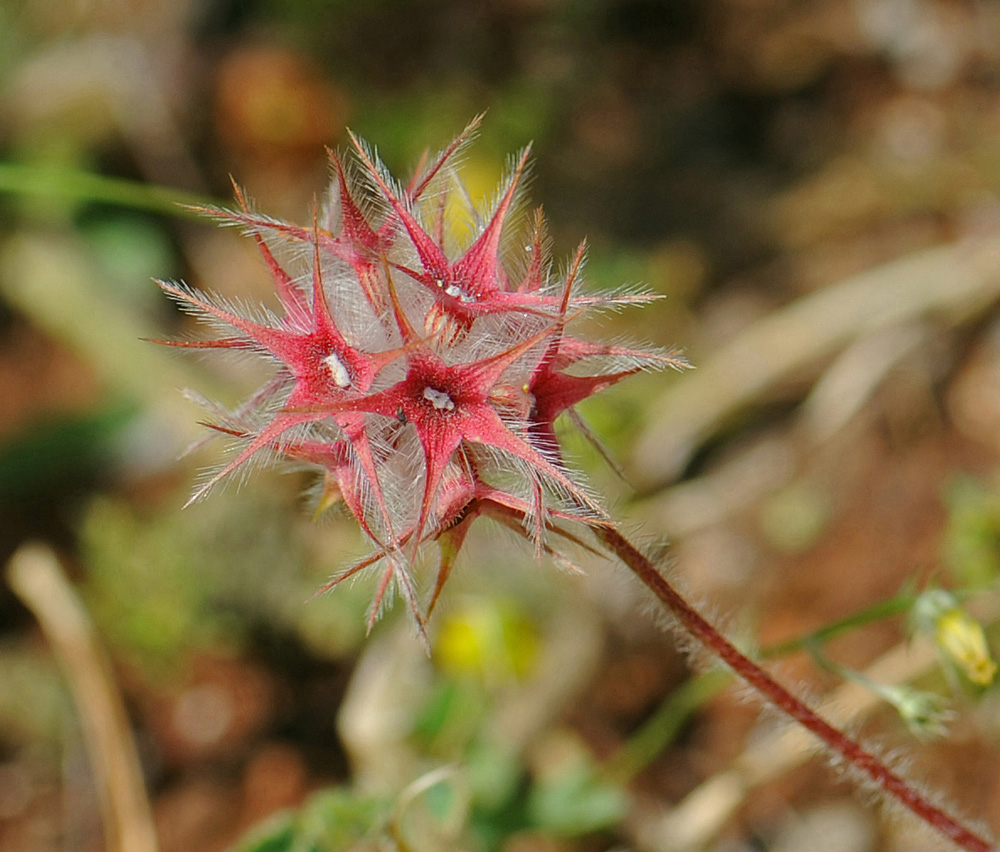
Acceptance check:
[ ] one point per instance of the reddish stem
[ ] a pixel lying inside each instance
(745, 668)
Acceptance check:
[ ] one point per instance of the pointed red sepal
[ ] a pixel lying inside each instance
(292, 298)
(478, 271)
(221, 343)
(431, 256)
(422, 179)
(536, 275)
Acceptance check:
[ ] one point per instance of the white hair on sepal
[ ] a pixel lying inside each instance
(249, 221)
(219, 415)
(454, 469)
(561, 484)
(466, 348)
(208, 479)
(505, 472)
(334, 271)
(401, 255)
(511, 475)
(399, 467)
(246, 417)
(571, 269)
(626, 358)
(514, 398)
(510, 328)
(331, 211)
(524, 237)
(400, 577)
(518, 226)
(245, 348)
(434, 195)
(446, 159)
(265, 402)
(414, 298)
(439, 193)
(599, 446)
(287, 242)
(386, 595)
(368, 195)
(515, 476)
(614, 301)
(368, 329)
(395, 576)
(354, 315)
(389, 375)
(187, 298)
(377, 520)
(573, 495)
(298, 259)
(452, 210)
(517, 167)
(480, 216)
(401, 458)
(246, 353)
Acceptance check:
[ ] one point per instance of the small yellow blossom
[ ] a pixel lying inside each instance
(962, 639)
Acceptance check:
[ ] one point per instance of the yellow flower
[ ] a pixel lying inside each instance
(962, 639)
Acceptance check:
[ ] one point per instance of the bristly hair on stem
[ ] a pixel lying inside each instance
(423, 383)
(890, 783)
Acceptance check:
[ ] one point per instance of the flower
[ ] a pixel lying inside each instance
(926, 714)
(959, 637)
(422, 377)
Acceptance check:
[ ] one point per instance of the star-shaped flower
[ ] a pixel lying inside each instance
(423, 381)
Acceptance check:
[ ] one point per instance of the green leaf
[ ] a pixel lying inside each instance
(576, 801)
(333, 820)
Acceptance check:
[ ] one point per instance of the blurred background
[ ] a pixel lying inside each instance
(813, 187)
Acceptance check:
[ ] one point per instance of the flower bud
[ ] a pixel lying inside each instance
(957, 634)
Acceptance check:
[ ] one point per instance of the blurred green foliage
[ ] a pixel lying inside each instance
(335, 820)
(165, 586)
(972, 534)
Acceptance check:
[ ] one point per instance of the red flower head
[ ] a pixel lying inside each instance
(422, 379)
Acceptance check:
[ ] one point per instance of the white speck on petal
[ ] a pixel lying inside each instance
(439, 399)
(457, 292)
(341, 378)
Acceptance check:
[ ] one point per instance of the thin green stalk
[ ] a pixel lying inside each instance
(893, 785)
(662, 728)
(665, 724)
(898, 605)
(25, 179)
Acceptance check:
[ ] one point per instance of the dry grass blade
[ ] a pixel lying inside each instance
(955, 281)
(35, 576)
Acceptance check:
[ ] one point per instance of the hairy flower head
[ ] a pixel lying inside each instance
(422, 375)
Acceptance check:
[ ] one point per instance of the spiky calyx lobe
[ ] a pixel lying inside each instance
(422, 378)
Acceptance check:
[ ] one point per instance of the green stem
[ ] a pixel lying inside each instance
(660, 730)
(24, 179)
(665, 724)
(897, 605)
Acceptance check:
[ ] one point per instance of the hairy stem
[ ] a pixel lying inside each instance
(867, 763)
